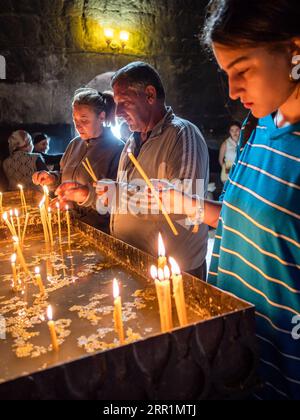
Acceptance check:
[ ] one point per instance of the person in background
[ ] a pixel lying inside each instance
(22, 163)
(93, 113)
(41, 143)
(229, 149)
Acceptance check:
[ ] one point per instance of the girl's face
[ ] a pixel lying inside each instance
(258, 77)
(235, 132)
(87, 123)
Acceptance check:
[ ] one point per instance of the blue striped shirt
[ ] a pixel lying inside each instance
(257, 249)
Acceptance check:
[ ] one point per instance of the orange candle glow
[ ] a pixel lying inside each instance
(59, 222)
(68, 225)
(163, 291)
(118, 312)
(39, 281)
(14, 271)
(162, 260)
(52, 330)
(178, 292)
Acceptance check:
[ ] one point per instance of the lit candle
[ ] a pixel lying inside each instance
(153, 191)
(25, 228)
(11, 214)
(46, 196)
(50, 226)
(5, 218)
(178, 292)
(59, 222)
(52, 330)
(21, 256)
(68, 225)
(162, 260)
(39, 281)
(14, 271)
(18, 224)
(163, 291)
(1, 202)
(44, 220)
(23, 198)
(118, 312)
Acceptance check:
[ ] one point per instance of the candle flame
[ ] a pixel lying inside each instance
(16, 239)
(153, 272)
(167, 273)
(175, 267)
(4, 216)
(161, 247)
(129, 150)
(16, 213)
(46, 190)
(161, 275)
(37, 270)
(57, 205)
(13, 258)
(49, 209)
(20, 186)
(49, 313)
(67, 207)
(116, 289)
(11, 213)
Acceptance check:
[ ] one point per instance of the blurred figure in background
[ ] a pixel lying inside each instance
(229, 149)
(22, 162)
(41, 143)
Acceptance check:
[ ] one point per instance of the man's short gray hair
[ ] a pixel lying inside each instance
(140, 74)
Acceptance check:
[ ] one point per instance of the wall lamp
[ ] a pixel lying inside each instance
(116, 43)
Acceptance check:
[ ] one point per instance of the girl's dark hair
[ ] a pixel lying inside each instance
(251, 22)
(99, 102)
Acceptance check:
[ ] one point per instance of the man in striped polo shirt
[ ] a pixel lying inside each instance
(167, 147)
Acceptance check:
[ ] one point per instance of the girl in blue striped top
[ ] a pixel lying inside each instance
(257, 248)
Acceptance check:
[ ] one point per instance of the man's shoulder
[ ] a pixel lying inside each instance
(183, 126)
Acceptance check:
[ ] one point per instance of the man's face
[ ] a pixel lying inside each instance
(42, 146)
(133, 105)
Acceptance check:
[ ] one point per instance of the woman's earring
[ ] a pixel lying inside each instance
(295, 73)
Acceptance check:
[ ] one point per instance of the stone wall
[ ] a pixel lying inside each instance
(53, 47)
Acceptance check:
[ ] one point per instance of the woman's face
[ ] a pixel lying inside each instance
(258, 77)
(235, 132)
(87, 123)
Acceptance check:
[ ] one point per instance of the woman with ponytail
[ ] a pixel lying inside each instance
(93, 114)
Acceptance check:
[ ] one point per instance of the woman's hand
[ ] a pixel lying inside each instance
(43, 178)
(72, 191)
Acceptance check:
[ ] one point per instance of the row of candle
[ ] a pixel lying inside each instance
(46, 218)
(22, 197)
(118, 321)
(162, 277)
